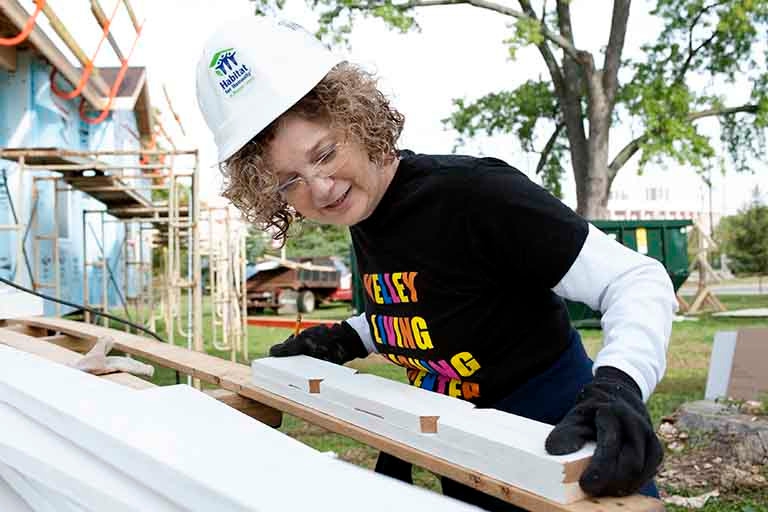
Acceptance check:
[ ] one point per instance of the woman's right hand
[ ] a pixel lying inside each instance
(338, 343)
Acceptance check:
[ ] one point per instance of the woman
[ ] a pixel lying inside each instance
(464, 260)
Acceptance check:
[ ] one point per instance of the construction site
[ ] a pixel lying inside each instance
(128, 378)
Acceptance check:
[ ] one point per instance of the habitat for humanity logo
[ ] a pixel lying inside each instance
(233, 76)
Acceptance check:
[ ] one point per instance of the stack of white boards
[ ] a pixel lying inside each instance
(72, 442)
(497, 444)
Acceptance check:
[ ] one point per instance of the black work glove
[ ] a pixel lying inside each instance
(610, 411)
(338, 344)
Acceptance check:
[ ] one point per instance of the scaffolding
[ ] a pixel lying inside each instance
(154, 194)
(226, 259)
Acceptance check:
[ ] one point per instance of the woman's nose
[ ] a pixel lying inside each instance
(321, 189)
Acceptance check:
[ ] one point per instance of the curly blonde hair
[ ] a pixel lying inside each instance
(350, 102)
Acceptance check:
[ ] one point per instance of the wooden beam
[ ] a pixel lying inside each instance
(256, 410)
(33, 345)
(29, 330)
(128, 380)
(78, 345)
(8, 58)
(18, 15)
(43, 347)
(237, 377)
(61, 355)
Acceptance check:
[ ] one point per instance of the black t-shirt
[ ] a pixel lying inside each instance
(457, 262)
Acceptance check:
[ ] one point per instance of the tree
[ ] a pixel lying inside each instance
(312, 239)
(256, 243)
(745, 239)
(583, 97)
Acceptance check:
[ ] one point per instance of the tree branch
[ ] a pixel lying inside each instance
(549, 59)
(722, 111)
(615, 48)
(583, 58)
(548, 147)
(563, 43)
(625, 154)
(564, 21)
(691, 50)
(630, 149)
(559, 40)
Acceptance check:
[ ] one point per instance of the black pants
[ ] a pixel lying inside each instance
(547, 398)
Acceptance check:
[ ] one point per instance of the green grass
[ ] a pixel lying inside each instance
(685, 379)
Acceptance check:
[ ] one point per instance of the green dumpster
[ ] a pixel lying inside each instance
(664, 240)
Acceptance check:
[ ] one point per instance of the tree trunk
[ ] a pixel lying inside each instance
(589, 153)
(599, 112)
(589, 156)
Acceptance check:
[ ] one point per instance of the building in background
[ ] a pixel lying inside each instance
(43, 221)
(682, 194)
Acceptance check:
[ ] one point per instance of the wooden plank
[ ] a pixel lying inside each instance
(287, 323)
(128, 380)
(8, 58)
(78, 345)
(29, 330)
(43, 348)
(63, 356)
(748, 379)
(237, 377)
(258, 411)
(33, 345)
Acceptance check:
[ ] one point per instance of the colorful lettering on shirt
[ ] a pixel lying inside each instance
(375, 329)
(391, 288)
(438, 367)
(441, 384)
(465, 363)
(395, 288)
(399, 287)
(406, 332)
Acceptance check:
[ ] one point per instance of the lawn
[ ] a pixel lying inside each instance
(685, 379)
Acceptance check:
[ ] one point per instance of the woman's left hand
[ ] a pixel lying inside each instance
(610, 411)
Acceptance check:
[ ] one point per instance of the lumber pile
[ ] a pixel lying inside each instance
(74, 442)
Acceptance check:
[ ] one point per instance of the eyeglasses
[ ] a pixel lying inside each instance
(326, 165)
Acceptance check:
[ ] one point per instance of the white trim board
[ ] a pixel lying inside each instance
(46, 457)
(500, 445)
(194, 450)
(436, 446)
(301, 372)
(10, 500)
(35, 495)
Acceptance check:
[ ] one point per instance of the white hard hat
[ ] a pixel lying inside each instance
(251, 71)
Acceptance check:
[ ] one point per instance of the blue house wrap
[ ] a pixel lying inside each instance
(31, 116)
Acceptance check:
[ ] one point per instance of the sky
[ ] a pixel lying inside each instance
(458, 53)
